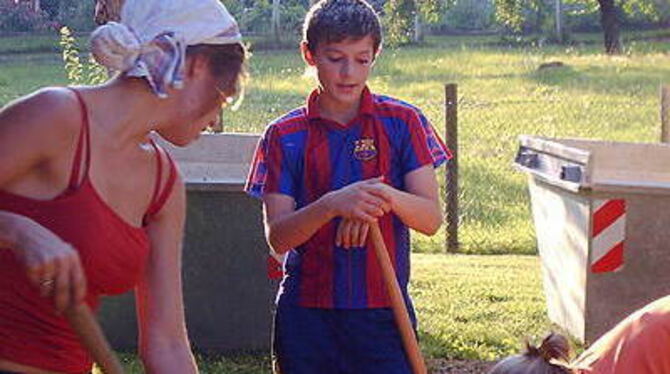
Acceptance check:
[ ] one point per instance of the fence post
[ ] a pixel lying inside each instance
(451, 174)
(665, 113)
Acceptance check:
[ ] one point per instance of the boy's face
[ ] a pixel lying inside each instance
(343, 67)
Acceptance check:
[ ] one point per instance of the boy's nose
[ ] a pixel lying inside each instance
(345, 71)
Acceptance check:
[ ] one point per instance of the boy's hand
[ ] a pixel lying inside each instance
(352, 233)
(363, 201)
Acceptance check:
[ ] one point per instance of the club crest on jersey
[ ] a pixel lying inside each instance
(364, 149)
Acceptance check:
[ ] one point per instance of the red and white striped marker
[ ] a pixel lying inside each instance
(608, 234)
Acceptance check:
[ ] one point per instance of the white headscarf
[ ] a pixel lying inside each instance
(151, 39)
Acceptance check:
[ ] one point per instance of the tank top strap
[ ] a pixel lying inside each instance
(161, 194)
(83, 145)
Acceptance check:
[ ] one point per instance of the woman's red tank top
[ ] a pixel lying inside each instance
(112, 251)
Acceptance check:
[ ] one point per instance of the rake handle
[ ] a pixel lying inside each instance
(91, 336)
(397, 303)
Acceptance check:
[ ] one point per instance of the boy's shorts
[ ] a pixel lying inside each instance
(338, 341)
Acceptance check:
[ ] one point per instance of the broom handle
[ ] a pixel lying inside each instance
(91, 336)
(397, 303)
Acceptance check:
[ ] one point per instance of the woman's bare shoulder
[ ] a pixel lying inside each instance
(51, 111)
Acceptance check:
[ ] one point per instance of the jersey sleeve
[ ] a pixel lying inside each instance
(272, 170)
(421, 145)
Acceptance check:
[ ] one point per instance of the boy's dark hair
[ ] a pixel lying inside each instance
(538, 360)
(332, 21)
(226, 62)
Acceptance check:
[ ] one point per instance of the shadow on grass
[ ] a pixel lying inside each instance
(603, 80)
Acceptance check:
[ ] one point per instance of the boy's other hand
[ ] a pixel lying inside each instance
(361, 201)
(352, 233)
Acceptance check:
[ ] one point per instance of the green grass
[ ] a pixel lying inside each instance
(47, 42)
(477, 307)
(469, 307)
(502, 95)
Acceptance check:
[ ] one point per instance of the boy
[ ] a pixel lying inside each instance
(325, 172)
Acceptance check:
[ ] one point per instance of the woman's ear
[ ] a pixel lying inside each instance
(196, 65)
(307, 54)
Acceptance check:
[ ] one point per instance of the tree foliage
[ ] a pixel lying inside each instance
(401, 16)
(522, 15)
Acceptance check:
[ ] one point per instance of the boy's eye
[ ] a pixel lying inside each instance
(364, 62)
(334, 59)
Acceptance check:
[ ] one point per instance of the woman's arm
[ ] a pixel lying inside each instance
(36, 134)
(163, 342)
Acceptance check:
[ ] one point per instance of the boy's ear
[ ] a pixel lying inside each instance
(376, 56)
(307, 54)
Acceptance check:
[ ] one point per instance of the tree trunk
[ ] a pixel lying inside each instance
(418, 31)
(610, 22)
(559, 21)
(276, 29)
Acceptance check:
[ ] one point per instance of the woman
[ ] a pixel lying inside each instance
(90, 205)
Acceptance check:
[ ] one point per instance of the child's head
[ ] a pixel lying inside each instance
(545, 359)
(341, 39)
(334, 21)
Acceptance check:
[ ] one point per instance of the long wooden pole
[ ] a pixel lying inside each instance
(91, 336)
(398, 303)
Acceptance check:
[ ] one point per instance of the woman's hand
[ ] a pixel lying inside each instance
(51, 264)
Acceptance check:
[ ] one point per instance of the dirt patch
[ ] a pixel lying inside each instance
(442, 366)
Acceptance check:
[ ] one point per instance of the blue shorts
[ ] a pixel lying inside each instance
(338, 341)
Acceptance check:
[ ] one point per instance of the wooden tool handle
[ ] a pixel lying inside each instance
(91, 336)
(397, 303)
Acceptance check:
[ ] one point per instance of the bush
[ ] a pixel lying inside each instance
(255, 16)
(88, 72)
(22, 18)
(470, 15)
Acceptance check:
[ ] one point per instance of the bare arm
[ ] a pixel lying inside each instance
(419, 206)
(164, 346)
(25, 155)
(287, 228)
(35, 131)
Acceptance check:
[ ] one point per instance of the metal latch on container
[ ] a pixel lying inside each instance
(571, 173)
(527, 158)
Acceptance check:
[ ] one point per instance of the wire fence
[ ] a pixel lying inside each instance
(492, 212)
